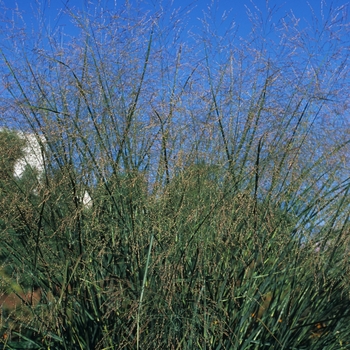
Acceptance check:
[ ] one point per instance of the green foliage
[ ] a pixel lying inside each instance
(11, 150)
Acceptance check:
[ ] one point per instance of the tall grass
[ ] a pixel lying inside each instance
(219, 215)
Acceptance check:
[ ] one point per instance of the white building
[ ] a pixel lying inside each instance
(34, 157)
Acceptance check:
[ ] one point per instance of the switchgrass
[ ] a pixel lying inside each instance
(219, 205)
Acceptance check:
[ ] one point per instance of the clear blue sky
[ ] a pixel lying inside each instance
(55, 19)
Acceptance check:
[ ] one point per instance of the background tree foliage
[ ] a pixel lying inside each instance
(219, 211)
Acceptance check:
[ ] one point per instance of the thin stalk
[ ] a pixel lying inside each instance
(142, 291)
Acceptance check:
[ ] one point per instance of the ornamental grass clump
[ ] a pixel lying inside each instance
(193, 191)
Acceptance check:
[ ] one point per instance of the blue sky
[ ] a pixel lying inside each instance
(54, 20)
(235, 10)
